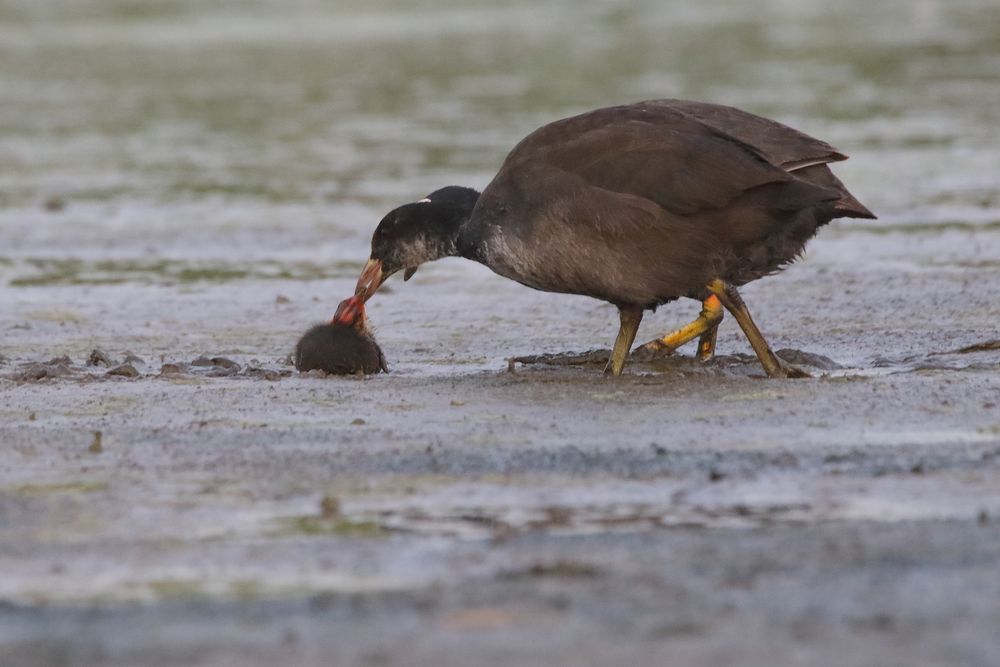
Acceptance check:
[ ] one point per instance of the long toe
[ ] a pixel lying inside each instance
(654, 349)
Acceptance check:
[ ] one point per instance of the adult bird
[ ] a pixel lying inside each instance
(637, 205)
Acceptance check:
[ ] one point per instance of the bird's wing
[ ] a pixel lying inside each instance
(684, 167)
(783, 145)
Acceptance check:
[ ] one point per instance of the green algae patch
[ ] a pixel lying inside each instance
(62, 487)
(55, 315)
(990, 430)
(318, 525)
(246, 589)
(919, 228)
(762, 395)
(45, 272)
(176, 588)
(104, 406)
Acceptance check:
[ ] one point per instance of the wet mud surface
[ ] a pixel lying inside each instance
(183, 194)
(227, 509)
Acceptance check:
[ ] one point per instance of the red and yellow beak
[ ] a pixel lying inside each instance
(370, 280)
(350, 312)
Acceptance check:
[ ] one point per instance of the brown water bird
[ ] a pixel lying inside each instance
(343, 346)
(637, 205)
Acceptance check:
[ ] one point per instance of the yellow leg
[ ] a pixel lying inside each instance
(706, 343)
(733, 302)
(705, 327)
(630, 319)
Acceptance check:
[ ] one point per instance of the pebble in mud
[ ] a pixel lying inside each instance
(96, 444)
(223, 362)
(124, 370)
(803, 358)
(980, 347)
(99, 357)
(217, 366)
(53, 368)
(54, 204)
(329, 507)
(265, 374)
(338, 350)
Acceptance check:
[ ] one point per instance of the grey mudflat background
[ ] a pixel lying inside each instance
(183, 182)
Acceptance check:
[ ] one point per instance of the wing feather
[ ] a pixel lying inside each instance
(685, 167)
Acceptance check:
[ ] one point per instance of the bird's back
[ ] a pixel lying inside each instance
(780, 145)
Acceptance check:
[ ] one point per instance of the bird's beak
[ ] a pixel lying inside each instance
(350, 312)
(371, 278)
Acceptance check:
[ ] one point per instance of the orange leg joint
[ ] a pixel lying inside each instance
(705, 328)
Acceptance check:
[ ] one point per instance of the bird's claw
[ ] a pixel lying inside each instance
(654, 349)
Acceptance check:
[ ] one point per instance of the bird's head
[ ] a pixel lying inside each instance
(350, 313)
(416, 233)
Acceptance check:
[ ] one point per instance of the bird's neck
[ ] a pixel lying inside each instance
(448, 220)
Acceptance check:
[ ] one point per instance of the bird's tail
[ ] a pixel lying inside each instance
(846, 205)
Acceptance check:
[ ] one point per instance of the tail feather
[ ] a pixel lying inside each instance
(850, 207)
(846, 206)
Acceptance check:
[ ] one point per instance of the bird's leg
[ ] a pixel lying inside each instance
(733, 302)
(706, 342)
(630, 319)
(706, 326)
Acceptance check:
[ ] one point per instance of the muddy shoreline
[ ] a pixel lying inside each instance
(184, 192)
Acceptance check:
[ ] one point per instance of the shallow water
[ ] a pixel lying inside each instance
(182, 180)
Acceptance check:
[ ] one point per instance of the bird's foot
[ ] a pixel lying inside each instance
(654, 349)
